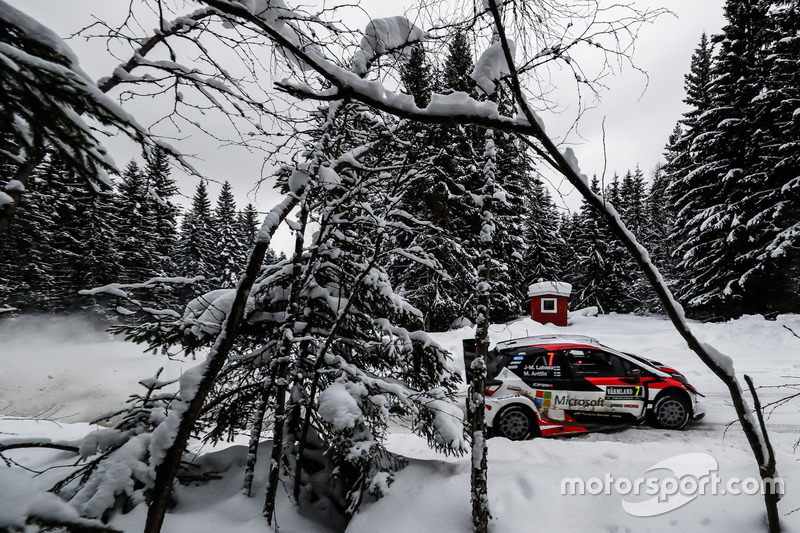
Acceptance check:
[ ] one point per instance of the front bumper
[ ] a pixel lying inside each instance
(699, 411)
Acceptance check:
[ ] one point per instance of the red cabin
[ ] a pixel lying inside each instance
(549, 301)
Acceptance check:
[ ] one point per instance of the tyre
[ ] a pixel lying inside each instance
(671, 412)
(516, 422)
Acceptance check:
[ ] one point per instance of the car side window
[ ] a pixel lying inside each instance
(595, 363)
(539, 365)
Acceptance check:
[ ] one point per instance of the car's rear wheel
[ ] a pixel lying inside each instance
(516, 422)
(671, 412)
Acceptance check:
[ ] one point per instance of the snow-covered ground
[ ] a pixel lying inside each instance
(57, 374)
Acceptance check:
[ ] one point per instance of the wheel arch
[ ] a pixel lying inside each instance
(529, 410)
(673, 391)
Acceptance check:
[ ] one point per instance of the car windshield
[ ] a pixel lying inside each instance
(648, 362)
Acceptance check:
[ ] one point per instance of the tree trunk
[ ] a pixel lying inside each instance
(769, 469)
(255, 437)
(284, 355)
(303, 436)
(476, 399)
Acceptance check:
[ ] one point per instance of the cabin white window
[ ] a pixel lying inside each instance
(549, 305)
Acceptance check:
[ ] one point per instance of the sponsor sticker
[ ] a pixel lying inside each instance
(565, 401)
(618, 392)
(543, 398)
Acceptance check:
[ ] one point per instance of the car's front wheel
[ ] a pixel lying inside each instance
(671, 412)
(516, 422)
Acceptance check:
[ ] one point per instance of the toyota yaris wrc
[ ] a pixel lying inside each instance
(554, 385)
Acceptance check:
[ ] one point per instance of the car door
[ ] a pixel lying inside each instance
(543, 376)
(612, 393)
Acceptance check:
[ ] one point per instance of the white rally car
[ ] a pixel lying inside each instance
(560, 384)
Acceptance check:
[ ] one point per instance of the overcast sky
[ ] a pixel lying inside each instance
(639, 112)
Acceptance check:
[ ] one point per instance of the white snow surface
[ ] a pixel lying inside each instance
(61, 369)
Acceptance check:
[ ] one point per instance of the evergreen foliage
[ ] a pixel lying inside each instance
(164, 213)
(445, 167)
(732, 173)
(137, 238)
(228, 250)
(195, 249)
(67, 238)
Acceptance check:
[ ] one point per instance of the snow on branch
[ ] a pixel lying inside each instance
(384, 36)
(491, 67)
(25, 504)
(119, 289)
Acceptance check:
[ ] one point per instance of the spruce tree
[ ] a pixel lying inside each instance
(228, 256)
(543, 236)
(656, 237)
(82, 237)
(135, 230)
(597, 280)
(440, 163)
(418, 76)
(708, 196)
(769, 268)
(514, 183)
(247, 222)
(164, 213)
(26, 247)
(195, 245)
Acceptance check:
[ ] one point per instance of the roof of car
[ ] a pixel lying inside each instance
(539, 340)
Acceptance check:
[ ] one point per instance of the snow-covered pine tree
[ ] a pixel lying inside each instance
(25, 248)
(418, 76)
(358, 329)
(544, 242)
(248, 224)
(711, 220)
(568, 232)
(136, 236)
(441, 161)
(656, 237)
(164, 213)
(769, 268)
(681, 162)
(82, 236)
(617, 284)
(631, 207)
(228, 255)
(515, 185)
(594, 278)
(195, 244)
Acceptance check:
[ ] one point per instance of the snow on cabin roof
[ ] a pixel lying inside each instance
(557, 288)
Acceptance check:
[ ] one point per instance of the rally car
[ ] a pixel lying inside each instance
(559, 384)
